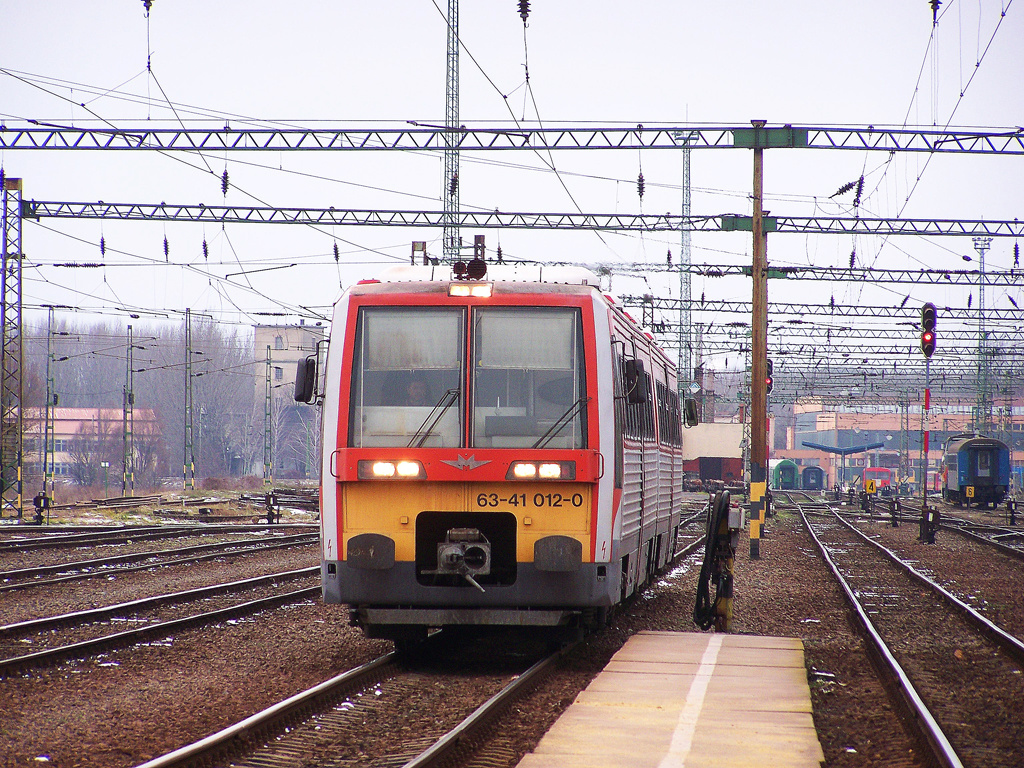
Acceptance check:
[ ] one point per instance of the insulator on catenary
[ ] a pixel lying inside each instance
(844, 189)
(669, 257)
(640, 185)
(860, 190)
(336, 256)
(498, 255)
(853, 257)
(167, 250)
(453, 184)
(206, 250)
(935, 10)
(103, 246)
(524, 9)
(1016, 255)
(224, 182)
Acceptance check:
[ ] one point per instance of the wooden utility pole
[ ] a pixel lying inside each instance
(758, 139)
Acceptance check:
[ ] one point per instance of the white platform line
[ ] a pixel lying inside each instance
(682, 738)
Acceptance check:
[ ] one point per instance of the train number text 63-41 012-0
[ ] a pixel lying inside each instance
(553, 500)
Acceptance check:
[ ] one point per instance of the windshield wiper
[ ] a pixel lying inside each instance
(448, 399)
(561, 422)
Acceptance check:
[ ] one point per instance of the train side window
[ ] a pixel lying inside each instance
(639, 405)
(407, 362)
(620, 410)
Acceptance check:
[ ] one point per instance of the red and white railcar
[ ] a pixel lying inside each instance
(501, 451)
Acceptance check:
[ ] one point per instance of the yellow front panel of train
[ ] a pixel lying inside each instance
(540, 509)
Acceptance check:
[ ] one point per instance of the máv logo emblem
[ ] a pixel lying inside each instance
(465, 463)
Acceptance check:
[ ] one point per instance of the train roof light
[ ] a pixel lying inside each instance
(473, 290)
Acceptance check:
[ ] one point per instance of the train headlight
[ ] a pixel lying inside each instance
(542, 470)
(522, 470)
(404, 469)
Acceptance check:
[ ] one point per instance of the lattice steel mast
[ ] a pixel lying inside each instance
(268, 428)
(11, 386)
(189, 462)
(983, 409)
(451, 139)
(686, 364)
(49, 436)
(128, 422)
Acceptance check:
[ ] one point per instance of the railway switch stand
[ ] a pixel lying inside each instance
(723, 533)
(929, 525)
(1011, 507)
(42, 504)
(271, 501)
(894, 513)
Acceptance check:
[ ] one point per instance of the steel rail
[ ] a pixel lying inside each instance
(146, 603)
(215, 550)
(74, 539)
(462, 735)
(1013, 645)
(921, 717)
(1015, 552)
(122, 639)
(120, 533)
(206, 749)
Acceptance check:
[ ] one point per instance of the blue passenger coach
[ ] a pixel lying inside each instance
(975, 470)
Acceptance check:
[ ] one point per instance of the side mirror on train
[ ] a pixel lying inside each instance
(305, 380)
(636, 382)
(690, 416)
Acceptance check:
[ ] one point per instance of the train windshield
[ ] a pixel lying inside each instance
(406, 374)
(528, 378)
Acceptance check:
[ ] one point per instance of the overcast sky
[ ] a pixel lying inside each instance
(875, 62)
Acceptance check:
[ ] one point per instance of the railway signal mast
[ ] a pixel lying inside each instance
(929, 518)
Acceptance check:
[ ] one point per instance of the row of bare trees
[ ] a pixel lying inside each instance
(88, 365)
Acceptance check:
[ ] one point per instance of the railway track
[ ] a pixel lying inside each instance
(328, 722)
(1005, 539)
(335, 721)
(959, 676)
(87, 633)
(52, 537)
(137, 561)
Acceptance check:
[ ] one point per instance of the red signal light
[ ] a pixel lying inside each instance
(928, 317)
